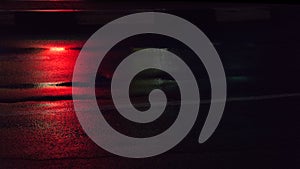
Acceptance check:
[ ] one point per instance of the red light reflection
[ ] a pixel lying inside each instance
(57, 49)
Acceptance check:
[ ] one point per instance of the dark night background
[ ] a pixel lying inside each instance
(258, 43)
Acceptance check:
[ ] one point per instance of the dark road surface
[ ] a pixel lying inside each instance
(259, 48)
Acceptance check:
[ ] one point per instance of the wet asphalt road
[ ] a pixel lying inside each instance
(259, 48)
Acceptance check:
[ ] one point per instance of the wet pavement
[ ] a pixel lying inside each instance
(259, 128)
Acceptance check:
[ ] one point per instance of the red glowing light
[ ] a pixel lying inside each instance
(57, 49)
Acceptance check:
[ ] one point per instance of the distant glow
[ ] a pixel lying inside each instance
(57, 49)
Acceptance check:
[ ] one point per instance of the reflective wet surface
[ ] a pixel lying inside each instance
(259, 128)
